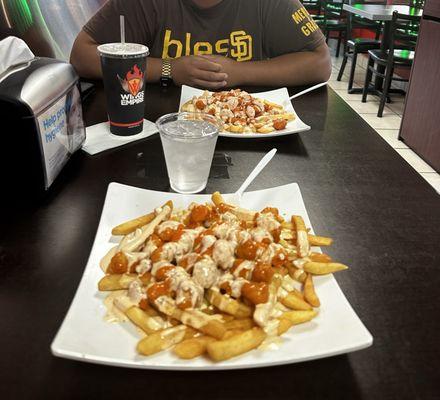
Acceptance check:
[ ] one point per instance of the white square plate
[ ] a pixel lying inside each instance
(279, 96)
(85, 336)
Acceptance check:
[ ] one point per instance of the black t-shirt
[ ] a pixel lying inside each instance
(241, 29)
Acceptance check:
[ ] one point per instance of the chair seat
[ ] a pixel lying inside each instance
(335, 24)
(362, 45)
(400, 57)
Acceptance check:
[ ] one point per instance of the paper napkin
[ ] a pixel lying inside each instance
(99, 138)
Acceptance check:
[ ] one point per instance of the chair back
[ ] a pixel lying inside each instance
(404, 31)
(355, 21)
(332, 10)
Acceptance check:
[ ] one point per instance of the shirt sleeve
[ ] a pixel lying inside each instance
(288, 28)
(104, 26)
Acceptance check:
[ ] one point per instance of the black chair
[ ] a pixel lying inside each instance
(332, 19)
(354, 46)
(399, 53)
(312, 6)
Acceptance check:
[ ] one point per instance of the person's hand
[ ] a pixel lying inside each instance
(229, 66)
(198, 71)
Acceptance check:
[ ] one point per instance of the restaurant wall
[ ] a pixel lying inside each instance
(49, 27)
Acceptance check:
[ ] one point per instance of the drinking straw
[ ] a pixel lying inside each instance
(122, 25)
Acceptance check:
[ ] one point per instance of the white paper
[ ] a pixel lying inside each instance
(86, 336)
(13, 51)
(279, 96)
(99, 138)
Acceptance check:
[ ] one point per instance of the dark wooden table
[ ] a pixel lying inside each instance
(383, 216)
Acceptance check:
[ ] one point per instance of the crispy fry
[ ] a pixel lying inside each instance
(302, 241)
(320, 257)
(164, 339)
(133, 241)
(317, 268)
(228, 305)
(130, 226)
(143, 320)
(320, 240)
(192, 348)
(217, 198)
(299, 317)
(116, 281)
(283, 326)
(243, 324)
(236, 345)
(231, 333)
(296, 273)
(309, 292)
(295, 303)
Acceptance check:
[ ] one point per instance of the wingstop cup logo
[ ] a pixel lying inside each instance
(132, 85)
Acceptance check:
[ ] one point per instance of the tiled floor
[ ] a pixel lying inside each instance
(388, 126)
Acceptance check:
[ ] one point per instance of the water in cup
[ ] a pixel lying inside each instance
(189, 146)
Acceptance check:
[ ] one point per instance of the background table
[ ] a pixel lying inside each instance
(384, 13)
(383, 216)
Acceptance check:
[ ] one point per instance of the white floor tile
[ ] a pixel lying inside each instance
(346, 96)
(414, 160)
(388, 121)
(433, 179)
(370, 107)
(390, 135)
(397, 107)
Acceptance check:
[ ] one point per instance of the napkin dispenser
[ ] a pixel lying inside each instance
(41, 122)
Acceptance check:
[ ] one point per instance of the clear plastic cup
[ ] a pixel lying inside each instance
(188, 141)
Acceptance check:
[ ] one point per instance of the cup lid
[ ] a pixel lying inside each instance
(123, 49)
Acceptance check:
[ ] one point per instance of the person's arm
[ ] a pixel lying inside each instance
(293, 69)
(190, 70)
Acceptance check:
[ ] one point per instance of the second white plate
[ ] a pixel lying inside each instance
(279, 96)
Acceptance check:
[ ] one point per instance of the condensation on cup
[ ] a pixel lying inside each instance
(124, 71)
(188, 142)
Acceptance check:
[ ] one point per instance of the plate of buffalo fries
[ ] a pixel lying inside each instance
(194, 282)
(245, 115)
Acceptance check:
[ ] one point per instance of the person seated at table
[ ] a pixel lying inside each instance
(212, 43)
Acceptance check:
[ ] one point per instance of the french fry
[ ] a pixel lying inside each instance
(231, 333)
(236, 345)
(130, 226)
(228, 305)
(243, 324)
(319, 240)
(299, 317)
(317, 268)
(116, 282)
(133, 241)
(320, 257)
(296, 273)
(192, 348)
(217, 198)
(302, 240)
(195, 318)
(164, 339)
(295, 303)
(283, 326)
(309, 292)
(143, 320)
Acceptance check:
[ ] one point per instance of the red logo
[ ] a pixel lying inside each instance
(133, 82)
